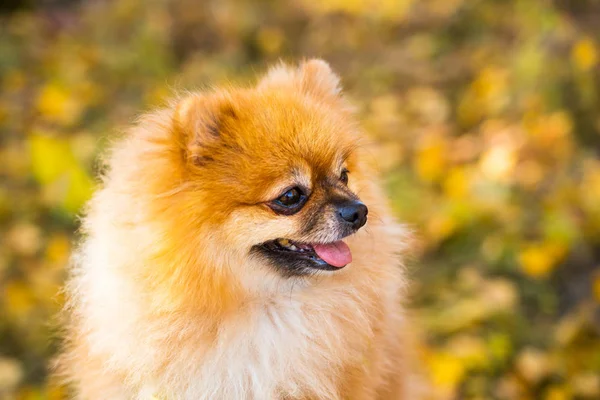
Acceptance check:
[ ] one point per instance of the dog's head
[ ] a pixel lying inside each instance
(276, 169)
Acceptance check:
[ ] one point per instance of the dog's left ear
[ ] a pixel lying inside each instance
(314, 77)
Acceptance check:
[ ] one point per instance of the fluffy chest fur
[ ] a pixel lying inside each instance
(288, 349)
(309, 341)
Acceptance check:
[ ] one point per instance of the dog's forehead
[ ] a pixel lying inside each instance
(299, 128)
(312, 153)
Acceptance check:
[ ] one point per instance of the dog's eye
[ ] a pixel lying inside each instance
(290, 198)
(289, 202)
(344, 177)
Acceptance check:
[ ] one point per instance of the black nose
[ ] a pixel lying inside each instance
(354, 213)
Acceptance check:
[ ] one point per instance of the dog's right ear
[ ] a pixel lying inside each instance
(313, 77)
(199, 121)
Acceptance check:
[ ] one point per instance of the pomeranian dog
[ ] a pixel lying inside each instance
(240, 248)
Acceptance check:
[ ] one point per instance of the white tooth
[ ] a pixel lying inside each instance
(293, 247)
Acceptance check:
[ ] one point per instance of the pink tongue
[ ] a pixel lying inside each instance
(337, 254)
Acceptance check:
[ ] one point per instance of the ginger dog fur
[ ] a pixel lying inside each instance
(165, 300)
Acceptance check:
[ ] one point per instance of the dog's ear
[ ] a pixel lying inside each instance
(314, 77)
(318, 79)
(199, 121)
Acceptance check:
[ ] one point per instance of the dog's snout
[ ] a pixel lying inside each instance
(353, 213)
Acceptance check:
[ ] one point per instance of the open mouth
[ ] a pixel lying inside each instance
(301, 257)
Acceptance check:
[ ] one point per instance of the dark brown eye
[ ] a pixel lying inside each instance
(344, 177)
(290, 198)
(290, 202)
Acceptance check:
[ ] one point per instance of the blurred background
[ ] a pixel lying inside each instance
(485, 115)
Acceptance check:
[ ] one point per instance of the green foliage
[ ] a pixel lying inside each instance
(484, 119)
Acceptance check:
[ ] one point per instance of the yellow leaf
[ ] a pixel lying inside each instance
(64, 181)
(552, 134)
(456, 184)
(557, 392)
(446, 370)
(539, 259)
(50, 157)
(79, 191)
(535, 261)
(58, 105)
(30, 393)
(486, 95)
(19, 297)
(58, 249)
(490, 83)
(441, 226)
(430, 161)
(394, 10)
(584, 54)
